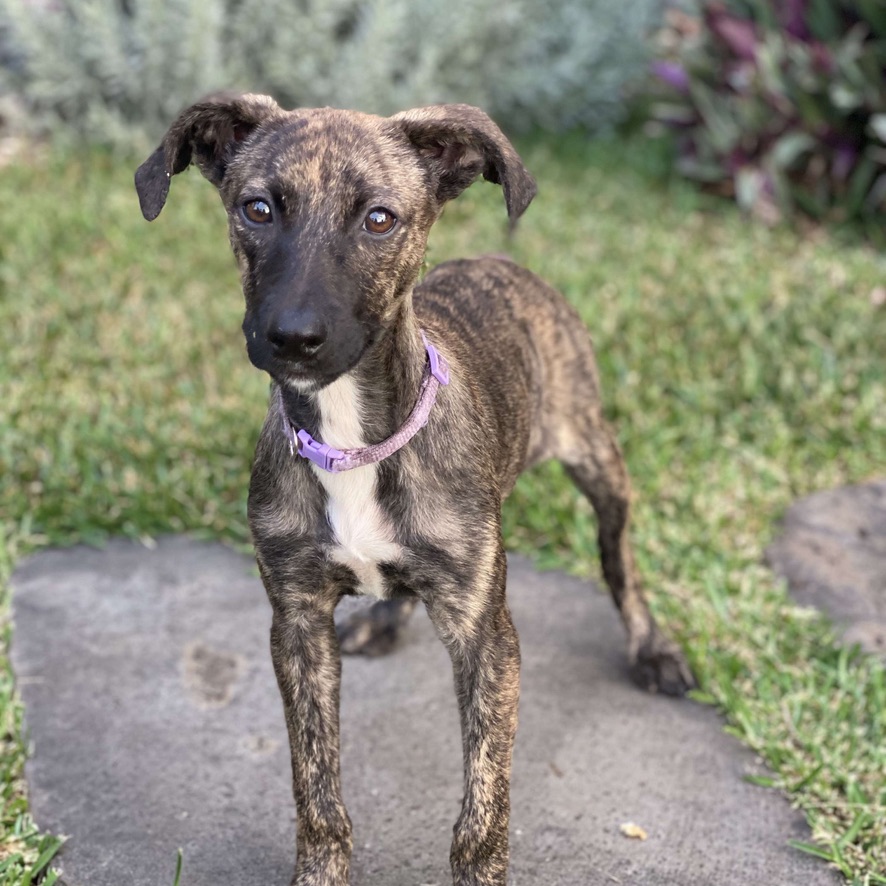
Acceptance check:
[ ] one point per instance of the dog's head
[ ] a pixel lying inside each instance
(329, 213)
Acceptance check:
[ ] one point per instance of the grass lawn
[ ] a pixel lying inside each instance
(743, 367)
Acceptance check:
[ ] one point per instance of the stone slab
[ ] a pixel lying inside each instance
(832, 551)
(156, 724)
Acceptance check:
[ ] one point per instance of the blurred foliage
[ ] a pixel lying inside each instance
(781, 104)
(112, 70)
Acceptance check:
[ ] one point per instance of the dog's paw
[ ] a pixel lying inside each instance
(372, 632)
(660, 666)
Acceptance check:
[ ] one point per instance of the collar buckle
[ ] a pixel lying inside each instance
(321, 454)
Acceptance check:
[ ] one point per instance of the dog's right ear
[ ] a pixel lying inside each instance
(207, 134)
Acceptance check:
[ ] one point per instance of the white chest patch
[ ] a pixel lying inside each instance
(363, 533)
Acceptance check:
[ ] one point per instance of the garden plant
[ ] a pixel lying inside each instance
(781, 104)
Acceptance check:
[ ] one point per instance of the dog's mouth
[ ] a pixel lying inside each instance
(309, 376)
(302, 381)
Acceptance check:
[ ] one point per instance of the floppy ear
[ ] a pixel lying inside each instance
(459, 142)
(206, 134)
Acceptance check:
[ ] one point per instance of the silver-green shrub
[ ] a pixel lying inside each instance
(117, 70)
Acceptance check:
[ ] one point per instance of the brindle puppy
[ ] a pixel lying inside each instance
(329, 213)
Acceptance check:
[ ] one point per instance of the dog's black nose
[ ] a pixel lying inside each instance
(297, 335)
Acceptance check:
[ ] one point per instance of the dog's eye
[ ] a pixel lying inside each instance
(379, 221)
(257, 211)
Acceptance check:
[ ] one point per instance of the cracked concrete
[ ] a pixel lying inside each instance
(156, 724)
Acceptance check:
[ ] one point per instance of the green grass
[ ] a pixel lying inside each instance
(743, 367)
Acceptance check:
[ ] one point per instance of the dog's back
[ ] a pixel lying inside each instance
(503, 324)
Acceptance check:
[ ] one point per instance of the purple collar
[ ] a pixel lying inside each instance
(337, 460)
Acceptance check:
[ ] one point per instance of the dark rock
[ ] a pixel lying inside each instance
(832, 551)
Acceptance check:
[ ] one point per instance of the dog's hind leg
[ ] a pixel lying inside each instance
(374, 631)
(597, 467)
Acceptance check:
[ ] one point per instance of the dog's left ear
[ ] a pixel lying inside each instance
(457, 143)
(208, 134)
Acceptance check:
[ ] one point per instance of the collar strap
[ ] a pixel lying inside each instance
(337, 460)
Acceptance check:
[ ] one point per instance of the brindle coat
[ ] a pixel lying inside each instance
(333, 314)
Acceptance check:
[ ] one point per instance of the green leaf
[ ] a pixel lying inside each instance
(874, 14)
(790, 147)
(824, 20)
(771, 68)
(877, 125)
(721, 125)
(844, 97)
(764, 13)
(671, 113)
(861, 821)
(50, 846)
(810, 776)
(809, 201)
(812, 849)
(876, 199)
(765, 781)
(178, 868)
(748, 184)
(860, 183)
(707, 171)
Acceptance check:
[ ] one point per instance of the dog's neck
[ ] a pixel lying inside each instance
(382, 388)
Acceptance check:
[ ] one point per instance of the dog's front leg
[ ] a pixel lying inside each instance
(476, 627)
(307, 662)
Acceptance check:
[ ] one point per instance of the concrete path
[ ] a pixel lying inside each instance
(156, 725)
(832, 551)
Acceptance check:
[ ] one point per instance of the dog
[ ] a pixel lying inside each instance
(401, 416)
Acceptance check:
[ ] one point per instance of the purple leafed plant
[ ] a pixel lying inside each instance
(780, 103)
